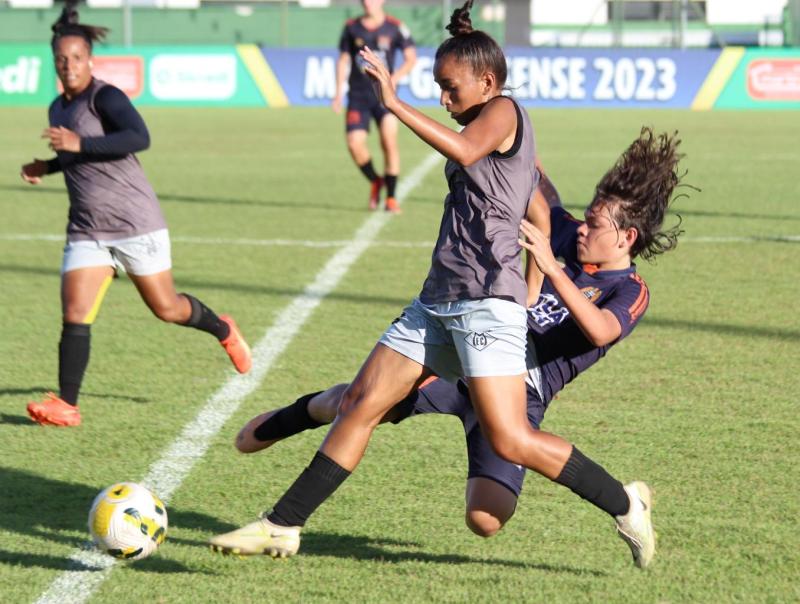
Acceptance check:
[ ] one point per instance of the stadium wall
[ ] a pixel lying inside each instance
(250, 76)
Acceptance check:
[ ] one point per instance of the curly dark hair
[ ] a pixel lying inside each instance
(67, 25)
(638, 190)
(473, 46)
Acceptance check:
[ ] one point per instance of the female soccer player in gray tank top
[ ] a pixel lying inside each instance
(470, 317)
(114, 217)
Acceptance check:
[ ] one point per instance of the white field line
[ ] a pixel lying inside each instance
(395, 244)
(90, 568)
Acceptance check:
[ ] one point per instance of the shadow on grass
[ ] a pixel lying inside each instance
(17, 420)
(39, 391)
(739, 331)
(56, 511)
(155, 564)
(300, 204)
(386, 551)
(245, 288)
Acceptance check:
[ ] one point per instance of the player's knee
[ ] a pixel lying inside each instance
(510, 449)
(169, 312)
(482, 523)
(355, 406)
(76, 313)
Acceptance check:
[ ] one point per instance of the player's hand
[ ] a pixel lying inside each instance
(381, 76)
(34, 171)
(336, 104)
(62, 139)
(539, 247)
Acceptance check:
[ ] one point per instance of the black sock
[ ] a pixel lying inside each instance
(590, 481)
(289, 420)
(204, 319)
(391, 182)
(317, 482)
(73, 358)
(368, 171)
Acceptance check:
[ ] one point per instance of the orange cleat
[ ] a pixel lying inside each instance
(236, 347)
(375, 193)
(392, 205)
(54, 411)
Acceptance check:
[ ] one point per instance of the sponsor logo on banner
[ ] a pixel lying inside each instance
(126, 73)
(774, 79)
(195, 77)
(21, 77)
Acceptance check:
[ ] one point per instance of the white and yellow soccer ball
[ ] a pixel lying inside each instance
(127, 521)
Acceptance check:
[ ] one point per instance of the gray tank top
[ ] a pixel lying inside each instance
(477, 254)
(109, 198)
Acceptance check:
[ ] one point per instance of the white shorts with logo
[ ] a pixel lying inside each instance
(141, 255)
(467, 338)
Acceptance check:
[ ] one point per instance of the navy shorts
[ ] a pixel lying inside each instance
(441, 396)
(360, 110)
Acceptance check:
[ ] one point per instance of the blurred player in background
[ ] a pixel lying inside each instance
(385, 35)
(114, 217)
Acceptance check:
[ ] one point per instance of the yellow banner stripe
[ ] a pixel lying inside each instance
(717, 78)
(89, 319)
(264, 78)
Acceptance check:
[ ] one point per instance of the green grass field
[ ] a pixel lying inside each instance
(701, 400)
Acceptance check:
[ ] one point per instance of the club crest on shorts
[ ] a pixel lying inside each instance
(479, 341)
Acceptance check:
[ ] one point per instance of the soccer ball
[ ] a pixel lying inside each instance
(127, 521)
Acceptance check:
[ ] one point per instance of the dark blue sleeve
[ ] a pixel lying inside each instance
(345, 44)
(125, 128)
(563, 233)
(404, 39)
(53, 166)
(628, 303)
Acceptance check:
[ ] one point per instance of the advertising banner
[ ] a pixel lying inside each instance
(26, 75)
(249, 76)
(763, 79)
(150, 75)
(537, 77)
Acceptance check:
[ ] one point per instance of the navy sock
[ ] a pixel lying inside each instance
(205, 319)
(369, 171)
(317, 482)
(288, 421)
(73, 358)
(391, 184)
(590, 481)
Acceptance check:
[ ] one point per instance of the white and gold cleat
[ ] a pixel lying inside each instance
(257, 538)
(636, 527)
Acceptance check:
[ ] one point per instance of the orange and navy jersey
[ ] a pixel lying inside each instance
(385, 40)
(562, 349)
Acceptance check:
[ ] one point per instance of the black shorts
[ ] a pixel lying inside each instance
(444, 397)
(359, 111)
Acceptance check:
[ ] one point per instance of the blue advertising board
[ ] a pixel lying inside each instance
(644, 78)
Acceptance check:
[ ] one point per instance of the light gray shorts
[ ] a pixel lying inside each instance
(142, 255)
(470, 338)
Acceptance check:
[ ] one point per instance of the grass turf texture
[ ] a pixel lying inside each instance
(700, 400)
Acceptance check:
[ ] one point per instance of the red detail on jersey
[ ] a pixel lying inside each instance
(393, 20)
(351, 21)
(353, 117)
(642, 300)
(590, 269)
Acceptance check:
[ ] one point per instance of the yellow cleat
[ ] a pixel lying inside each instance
(257, 538)
(636, 527)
